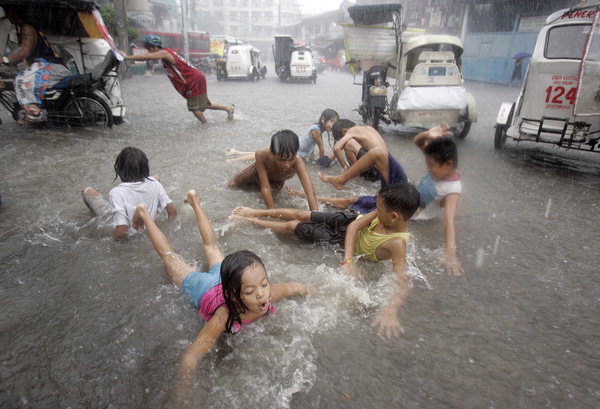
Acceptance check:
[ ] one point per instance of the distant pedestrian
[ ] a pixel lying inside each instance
(517, 73)
(187, 79)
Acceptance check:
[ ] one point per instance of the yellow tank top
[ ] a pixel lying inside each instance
(368, 240)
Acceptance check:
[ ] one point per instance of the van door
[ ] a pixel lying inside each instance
(587, 102)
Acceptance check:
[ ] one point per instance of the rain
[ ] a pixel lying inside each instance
(90, 322)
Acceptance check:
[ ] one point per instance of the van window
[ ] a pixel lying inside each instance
(566, 41)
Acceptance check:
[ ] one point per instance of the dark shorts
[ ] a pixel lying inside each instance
(329, 227)
(198, 103)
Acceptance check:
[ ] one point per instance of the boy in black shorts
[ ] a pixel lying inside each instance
(377, 236)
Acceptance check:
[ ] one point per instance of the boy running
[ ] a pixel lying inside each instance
(379, 235)
(273, 166)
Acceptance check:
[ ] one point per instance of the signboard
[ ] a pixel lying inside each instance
(531, 24)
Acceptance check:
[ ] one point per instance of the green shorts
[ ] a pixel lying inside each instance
(198, 103)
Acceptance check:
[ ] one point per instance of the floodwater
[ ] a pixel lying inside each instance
(90, 323)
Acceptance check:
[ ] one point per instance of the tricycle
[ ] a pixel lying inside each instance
(244, 62)
(428, 86)
(76, 32)
(559, 102)
(293, 61)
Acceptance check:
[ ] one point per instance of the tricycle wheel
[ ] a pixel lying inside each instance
(88, 110)
(372, 119)
(500, 136)
(462, 133)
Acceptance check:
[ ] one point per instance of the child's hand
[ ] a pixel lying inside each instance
(387, 323)
(352, 269)
(452, 265)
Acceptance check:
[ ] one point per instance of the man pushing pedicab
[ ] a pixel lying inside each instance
(187, 79)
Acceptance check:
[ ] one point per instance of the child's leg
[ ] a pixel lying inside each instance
(337, 202)
(377, 157)
(285, 214)
(176, 268)
(248, 156)
(94, 201)
(236, 152)
(279, 227)
(200, 116)
(245, 177)
(209, 239)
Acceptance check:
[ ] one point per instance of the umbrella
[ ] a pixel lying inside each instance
(520, 56)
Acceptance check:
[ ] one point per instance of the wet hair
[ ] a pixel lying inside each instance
(327, 115)
(232, 269)
(132, 165)
(339, 125)
(401, 197)
(284, 143)
(442, 150)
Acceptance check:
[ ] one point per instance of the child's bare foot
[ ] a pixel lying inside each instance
(294, 193)
(137, 221)
(236, 152)
(243, 212)
(331, 180)
(191, 198)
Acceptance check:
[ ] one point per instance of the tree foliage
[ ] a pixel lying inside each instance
(110, 19)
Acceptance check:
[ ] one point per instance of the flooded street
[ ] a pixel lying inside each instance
(91, 323)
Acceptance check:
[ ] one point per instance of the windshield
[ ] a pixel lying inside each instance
(566, 41)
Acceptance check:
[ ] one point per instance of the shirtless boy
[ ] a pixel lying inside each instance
(354, 141)
(273, 166)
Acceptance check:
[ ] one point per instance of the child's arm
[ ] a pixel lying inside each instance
(450, 203)
(157, 55)
(316, 135)
(386, 321)
(338, 149)
(171, 211)
(120, 231)
(348, 265)
(307, 184)
(438, 131)
(286, 290)
(202, 344)
(263, 179)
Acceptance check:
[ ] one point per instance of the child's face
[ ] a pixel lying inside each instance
(438, 171)
(386, 216)
(256, 289)
(329, 124)
(285, 163)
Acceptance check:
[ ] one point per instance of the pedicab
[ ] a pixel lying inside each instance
(559, 102)
(92, 95)
(428, 85)
(243, 62)
(293, 61)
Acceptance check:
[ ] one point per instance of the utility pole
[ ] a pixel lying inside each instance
(186, 45)
(122, 36)
(121, 14)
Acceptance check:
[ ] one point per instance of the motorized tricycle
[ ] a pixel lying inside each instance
(559, 102)
(428, 86)
(293, 61)
(243, 62)
(92, 95)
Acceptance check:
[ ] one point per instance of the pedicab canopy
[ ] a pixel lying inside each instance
(74, 18)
